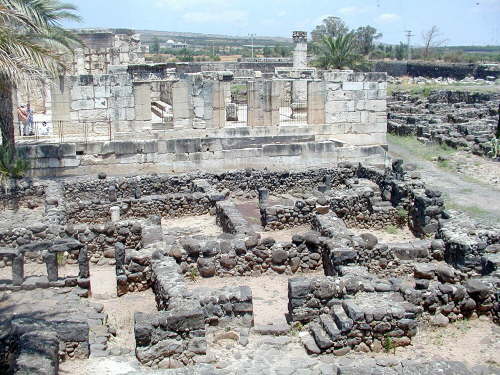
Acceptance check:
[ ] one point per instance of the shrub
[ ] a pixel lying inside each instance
(12, 164)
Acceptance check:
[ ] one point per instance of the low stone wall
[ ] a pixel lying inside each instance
(363, 325)
(168, 205)
(133, 269)
(175, 336)
(229, 218)
(100, 239)
(110, 189)
(435, 70)
(49, 251)
(21, 193)
(466, 241)
(170, 339)
(227, 306)
(280, 217)
(309, 298)
(357, 208)
(340, 247)
(17, 237)
(251, 147)
(34, 346)
(404, 190)
(248, 255)
(443, 290)
(339, 322)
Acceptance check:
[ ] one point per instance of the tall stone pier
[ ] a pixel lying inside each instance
(300, 51)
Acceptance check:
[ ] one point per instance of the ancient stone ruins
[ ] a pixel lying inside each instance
(165, 208)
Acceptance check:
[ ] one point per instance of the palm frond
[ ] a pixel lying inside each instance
(338, 52)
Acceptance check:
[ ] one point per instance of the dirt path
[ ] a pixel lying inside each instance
(103, 281)
(269, 292)
(477, 200)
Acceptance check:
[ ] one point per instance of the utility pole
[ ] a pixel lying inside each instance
(252, 36)
(408, 36)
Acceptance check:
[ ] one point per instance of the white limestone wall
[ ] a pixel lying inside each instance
(356, 104)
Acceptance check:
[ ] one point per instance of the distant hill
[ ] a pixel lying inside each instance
(199, 39)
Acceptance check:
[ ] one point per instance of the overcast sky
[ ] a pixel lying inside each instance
(462, 22)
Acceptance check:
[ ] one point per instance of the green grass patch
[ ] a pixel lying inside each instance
(424, 90)
(238, 88)
(425, 151)
(392, 229)
(445, 164)
(471, 210)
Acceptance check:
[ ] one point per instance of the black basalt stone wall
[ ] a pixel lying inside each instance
(434, 70)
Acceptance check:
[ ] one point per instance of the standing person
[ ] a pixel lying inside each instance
(31, 127)
(22, 116)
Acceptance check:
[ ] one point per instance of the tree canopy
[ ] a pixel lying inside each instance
(339, 52)
(363, 37)
(32, 46)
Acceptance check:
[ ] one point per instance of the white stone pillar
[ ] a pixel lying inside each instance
(115, 213)
(300, 52)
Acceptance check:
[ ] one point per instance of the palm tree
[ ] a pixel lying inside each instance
(339, 52)
(32, 43)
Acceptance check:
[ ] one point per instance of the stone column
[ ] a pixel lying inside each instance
(219, 104)
(263, 196)
(264, 102)
(121, 277)
(120, 258)
(83, 263)
(300, 51)
(18, 269)
(273, 100)
(61, 104)
(112, 194)
(316, 97)
(182, 104)
(328, 182)
(142, 96)
(115, 213)
(253, 109)
(51, 263)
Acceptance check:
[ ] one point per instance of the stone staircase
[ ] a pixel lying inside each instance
(364, 323)
(159, 108)
(376, 199)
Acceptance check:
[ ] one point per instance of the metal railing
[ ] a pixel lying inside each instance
(292, 112)
(64, 131)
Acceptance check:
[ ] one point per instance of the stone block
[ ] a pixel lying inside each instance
(187, 145)
(282, 150)
(100, 103)
(353, 86)
(298, 288)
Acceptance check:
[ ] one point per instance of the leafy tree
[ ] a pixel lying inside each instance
(400, 51)
(365, 37)
(339, 52)
(282, 51)
(155, 46)
(330, 26)
(267, 52)
(31, 45)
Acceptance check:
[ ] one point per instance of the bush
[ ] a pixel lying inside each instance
(12, 164)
